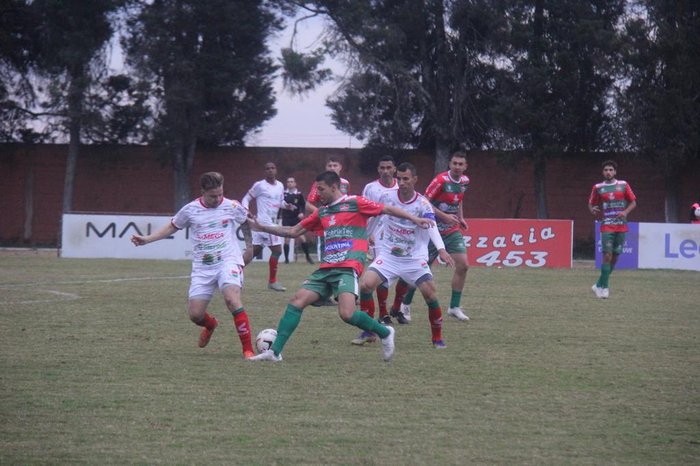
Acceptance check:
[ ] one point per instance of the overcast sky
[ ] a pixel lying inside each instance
(303, 121)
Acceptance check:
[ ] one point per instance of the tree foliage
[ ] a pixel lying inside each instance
(209, 73)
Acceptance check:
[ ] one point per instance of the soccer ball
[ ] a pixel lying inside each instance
(265, 339)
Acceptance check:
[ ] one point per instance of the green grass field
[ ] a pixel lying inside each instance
(100, 365)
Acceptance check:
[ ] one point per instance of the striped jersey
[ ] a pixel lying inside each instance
(446, 194)
(212, 230)
(612, 198)
(344, 225)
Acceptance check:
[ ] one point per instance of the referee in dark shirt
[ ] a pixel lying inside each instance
(292, 212)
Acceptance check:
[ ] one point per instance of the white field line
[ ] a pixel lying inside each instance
(63, 296)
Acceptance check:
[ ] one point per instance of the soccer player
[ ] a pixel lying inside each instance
(446, 193)
(403, 251)
(292, 212)
(313, 200)
(343, 220)
(268, 195)
(615, 199)
(216, 257)
(374, 191)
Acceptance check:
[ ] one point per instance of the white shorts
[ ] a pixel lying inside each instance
(412, 271)
(260, 238)
(205, 280)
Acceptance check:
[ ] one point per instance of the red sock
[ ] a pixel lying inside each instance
(209, 322)
(273, 269)
(401, 290)
(435, 317)
(240, 321)
(382, 295)
(367, 304)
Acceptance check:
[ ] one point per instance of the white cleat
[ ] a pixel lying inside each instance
(458, 313)
(267, 355)
(388, 345)
(406, 311)
(276, 287)
(598, 291)
(605, 293)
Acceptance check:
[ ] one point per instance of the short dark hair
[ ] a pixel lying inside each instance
(333, 158)
(407, 166)
(329, 178)
(211, 180)
(460, 154)
(609, 163)
(386, 158)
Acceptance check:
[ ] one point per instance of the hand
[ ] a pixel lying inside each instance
(254, 225)
(446, 258)
(452, 220)
(370, 240)
(300, 216)
(423, 223)
(622, 214)
(138, 240)
(595, 210)
(463, 224)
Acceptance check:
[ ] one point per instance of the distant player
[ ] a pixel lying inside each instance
(403, 251)
(343, 220)
(446, 193)
(268, 195)
(216, 256)
(616, 200)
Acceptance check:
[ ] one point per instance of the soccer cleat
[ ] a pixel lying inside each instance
(458, 313)
(439, 344)
(205, 335)
(248, 354)
(267, 355)
(388, 345)
(598, 291)
(604, 293)
(364, 337)
(276, 286)
(406, 311)
(386, 320)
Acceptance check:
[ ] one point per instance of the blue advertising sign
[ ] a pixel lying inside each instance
(629, 259)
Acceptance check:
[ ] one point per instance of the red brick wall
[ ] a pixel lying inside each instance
(131, 179)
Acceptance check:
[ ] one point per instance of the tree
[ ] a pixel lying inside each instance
(556, 99)
(71, 36)
(420, 76)
(661, 94)
(209, 71)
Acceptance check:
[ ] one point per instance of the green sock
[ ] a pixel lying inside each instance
(605, 271)
(365, 322)
(456, 298)
(288, 323)
(434, 304)
(408, 299)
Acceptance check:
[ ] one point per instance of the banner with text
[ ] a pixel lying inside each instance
(657, 246)
(109, 236)
(519, 242)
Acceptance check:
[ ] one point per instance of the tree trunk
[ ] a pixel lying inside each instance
(183, 159)
(672, 196)
(75, 110)
(539, 163)
(442, 156)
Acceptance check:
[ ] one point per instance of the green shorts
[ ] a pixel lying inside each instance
(327, 282)
(454, 244)
(612, 241)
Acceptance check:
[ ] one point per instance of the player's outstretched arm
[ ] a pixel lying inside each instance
(248, 239)
(164, 232)
(277, 230)
(396, 212)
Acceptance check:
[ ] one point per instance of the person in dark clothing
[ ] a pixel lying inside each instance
(292, 212)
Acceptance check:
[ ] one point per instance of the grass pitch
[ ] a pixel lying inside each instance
(99, 364)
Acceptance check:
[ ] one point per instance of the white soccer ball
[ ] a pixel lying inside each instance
(265, 339)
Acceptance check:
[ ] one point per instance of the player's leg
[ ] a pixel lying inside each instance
(369, 281)
(231, 282)
(427, 289)
(202, 287)
(458, 279)
(305, 249)
(600, 288)
(382, 296)
(286, 250)
(275, 253)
